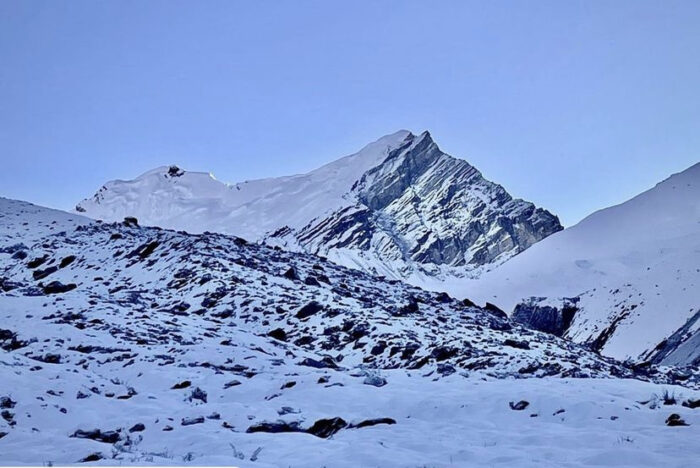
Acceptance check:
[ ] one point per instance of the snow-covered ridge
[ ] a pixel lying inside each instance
(399, 207)
(635, 268)
(130, 345)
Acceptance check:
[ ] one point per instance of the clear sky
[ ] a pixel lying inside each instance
(573, 105)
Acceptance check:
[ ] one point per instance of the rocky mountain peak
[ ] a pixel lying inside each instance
(399, 207)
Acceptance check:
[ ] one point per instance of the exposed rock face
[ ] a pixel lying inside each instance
(422, 207)
(537, 314)
(399, 206)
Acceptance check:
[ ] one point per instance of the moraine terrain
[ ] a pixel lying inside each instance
(124, 344)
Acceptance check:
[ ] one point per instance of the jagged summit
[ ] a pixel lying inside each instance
(399, 207)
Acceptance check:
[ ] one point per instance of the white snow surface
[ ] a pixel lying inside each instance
(641, 257)
(198, 202)
(106, 355)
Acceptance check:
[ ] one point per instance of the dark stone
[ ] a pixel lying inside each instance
(519, 406)
(289, 384)
(131, 221)
(108, 437)
(93, 457)
(442, 353)
(692, 404)
(37, 262)
(137, 428)
(56, 287)
(496, 311)
(546, 318)
(7, 402)
(198, 394)
(291, 274)
(516, 344)
(675, 420)
(183, 384)
(325, 428)
(232, 383)
(278, 334)
(309, 309)
(311, 281)
(325, 363)
(275, 427)
(41, 274)
(67, 261)
(192, 421)
(372, 422)
(375, 381)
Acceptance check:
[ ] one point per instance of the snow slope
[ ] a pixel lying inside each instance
(635, 265)
(400, 207)
(200, 349)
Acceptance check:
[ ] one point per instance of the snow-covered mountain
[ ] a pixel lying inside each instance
(632, 270)
(130, 345)
(400, 207)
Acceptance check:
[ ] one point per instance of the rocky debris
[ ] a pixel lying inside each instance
(692, 404)
(181, 385)
(309, 309)
(278, 334)
(516, 344)
(139, 427)
(93, 457)
(37, 262)
(7, 402)
(275, 427)
(675, 420)
(56, 287)
(131, 221)
(372, 422)
(192, 421)
(41, 274)
(325, 363)
(375, 381)
(519, 406)
(2, 434)
(232, 383)
(9, 341)
(538, 314)
(291, 274)
(198, 394)
(66, 261)
(108, 437)
(324, 428)
(495, 311)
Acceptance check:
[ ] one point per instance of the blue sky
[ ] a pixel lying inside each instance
(573, 105)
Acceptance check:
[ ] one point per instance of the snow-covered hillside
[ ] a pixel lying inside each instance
(400, 207)
(635, 268)
(130, 345)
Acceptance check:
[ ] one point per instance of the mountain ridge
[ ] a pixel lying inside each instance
(404, 200)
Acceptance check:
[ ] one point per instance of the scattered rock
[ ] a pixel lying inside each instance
(131, 221)
(375, 381)
(325, 428)
(137, 428)
(278, 334)
(519, 406)
(192, 421)
(372, 422)
(198, 394)
(108, 437)
(93, 457)
(675, 420)
(309, 309)
(56, 287)
(181, 385)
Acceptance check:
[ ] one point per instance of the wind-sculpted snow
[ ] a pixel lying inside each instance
(400, 207)
(135, 345)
